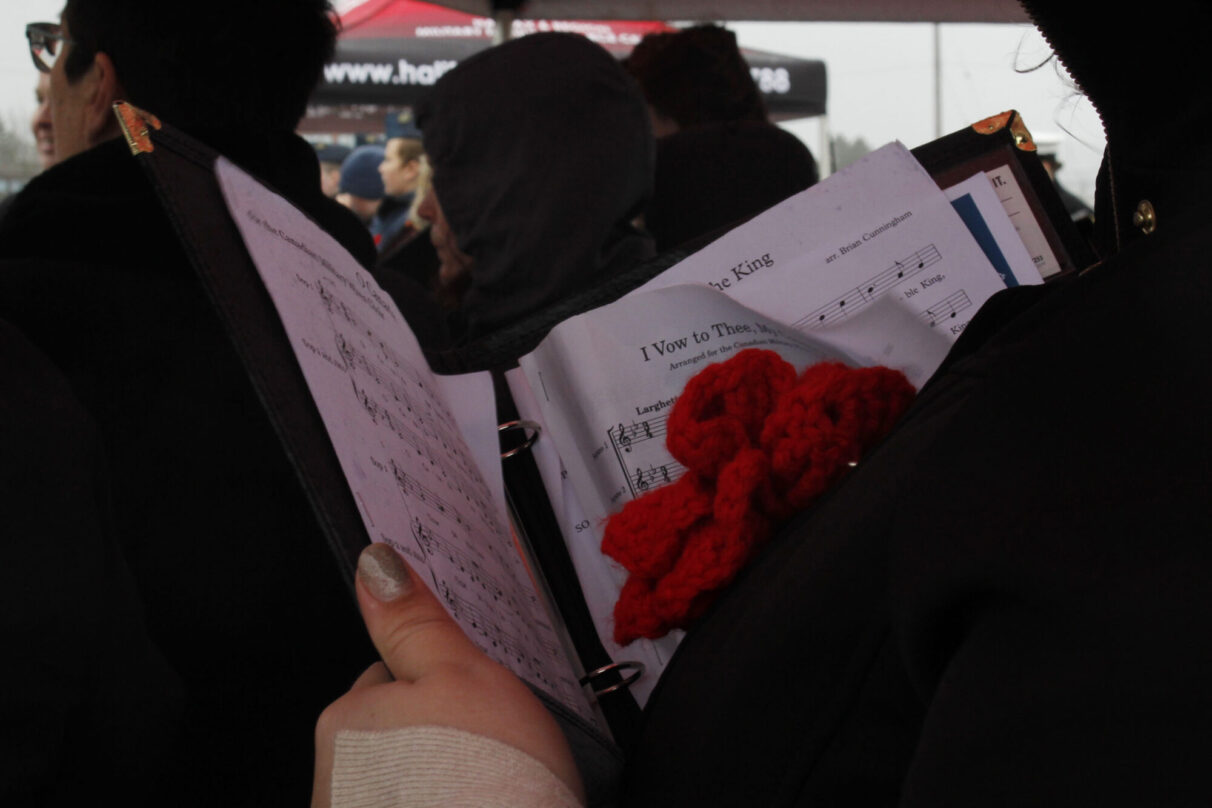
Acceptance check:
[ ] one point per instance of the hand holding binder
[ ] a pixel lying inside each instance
(432, 675)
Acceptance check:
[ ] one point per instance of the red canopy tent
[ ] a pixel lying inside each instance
(391, 51)
(768, 10)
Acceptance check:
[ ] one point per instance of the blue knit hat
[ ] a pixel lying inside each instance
(360, 172)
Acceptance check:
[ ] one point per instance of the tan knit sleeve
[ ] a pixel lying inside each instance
(439, 766)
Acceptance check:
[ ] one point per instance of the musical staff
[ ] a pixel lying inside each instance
(624, 437)
(412, 487)
(947, 308)
(400, 403)
(865, 293)
(334, 305)
(486, 630)
(644, 480)
(469, 566)
(643, 459)
(452, 467)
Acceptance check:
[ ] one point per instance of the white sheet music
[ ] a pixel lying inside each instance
(873, 265)
(410, 470)
(879, 229)
(603, 383)
(1001, 229)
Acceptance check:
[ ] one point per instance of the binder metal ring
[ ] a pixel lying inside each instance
(531, 429)
(636, 671)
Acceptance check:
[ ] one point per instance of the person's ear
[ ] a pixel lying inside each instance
(100, 120)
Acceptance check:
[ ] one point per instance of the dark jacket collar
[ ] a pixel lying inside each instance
(106, 183)
(1132, 67)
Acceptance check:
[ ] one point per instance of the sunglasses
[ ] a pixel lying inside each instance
(46, 42)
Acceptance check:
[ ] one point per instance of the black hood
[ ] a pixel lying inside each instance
(542, 154)
(1143, 70)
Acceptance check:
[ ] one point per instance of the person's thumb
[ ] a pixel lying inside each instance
(408, 625)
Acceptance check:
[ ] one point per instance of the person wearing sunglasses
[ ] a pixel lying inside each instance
(237, 591)
(46, 41)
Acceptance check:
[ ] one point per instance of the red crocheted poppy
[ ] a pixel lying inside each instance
(759, 445)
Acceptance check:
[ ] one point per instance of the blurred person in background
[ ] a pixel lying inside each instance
(719, 159)
(331, 156)
(693, 77)
(361, 188)
(401, 175)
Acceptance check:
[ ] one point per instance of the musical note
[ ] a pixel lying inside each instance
(334, 305)
(866, 292)
(947, 308)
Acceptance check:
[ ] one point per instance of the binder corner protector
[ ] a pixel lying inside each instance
(1010, 120)
(136, 126)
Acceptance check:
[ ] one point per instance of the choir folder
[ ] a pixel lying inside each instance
(315, 335)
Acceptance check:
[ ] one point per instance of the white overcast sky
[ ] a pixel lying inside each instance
(881, 84)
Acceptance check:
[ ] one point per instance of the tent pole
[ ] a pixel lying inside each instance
(504, 24)
(824, 163)
(938, 84)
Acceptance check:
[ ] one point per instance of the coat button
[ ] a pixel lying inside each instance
(1144, 217)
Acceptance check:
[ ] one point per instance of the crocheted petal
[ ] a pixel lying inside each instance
(647, 535)
(826, 422)
(710, 561)
(634, 614)
(703, 446)
(737, 490)
(759, 378)
(722, 409)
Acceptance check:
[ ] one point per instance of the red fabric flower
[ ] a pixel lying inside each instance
(758, 445)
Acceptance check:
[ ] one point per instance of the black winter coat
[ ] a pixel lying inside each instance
(1007, 603)
(236, 583)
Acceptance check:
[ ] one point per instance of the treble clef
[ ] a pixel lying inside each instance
(624, 438)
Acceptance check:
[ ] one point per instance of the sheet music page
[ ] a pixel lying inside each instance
(410, 470)
(875, 264)
(604, 382)
(1010, 194)
(601, 579)
(879, 228)
(982, 212)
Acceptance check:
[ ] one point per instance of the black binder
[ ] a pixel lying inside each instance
(183, 173)
(182, 170)
(1003, 141)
